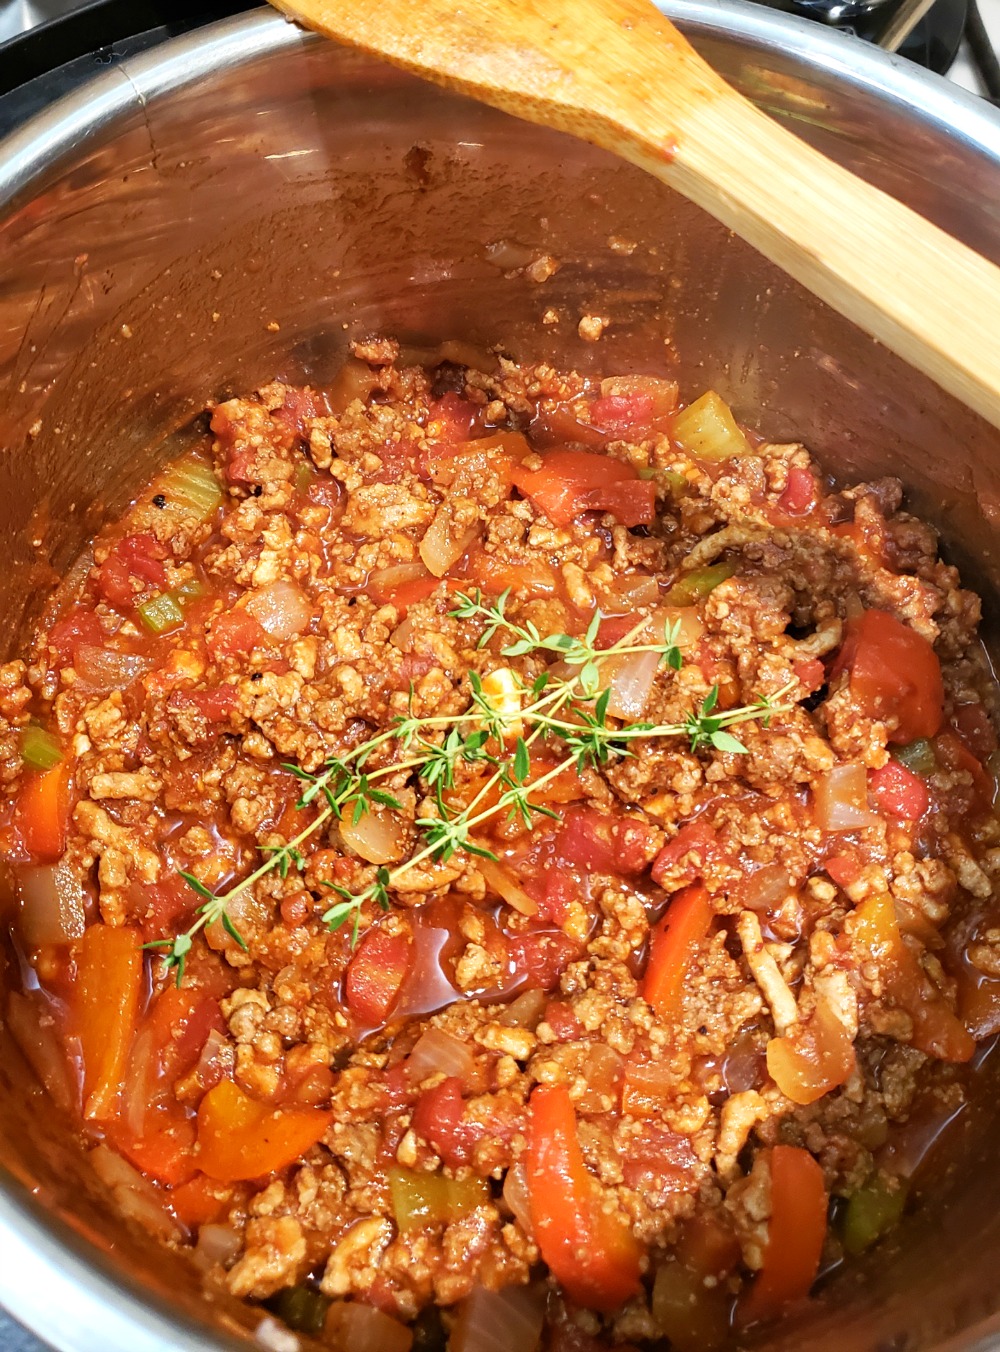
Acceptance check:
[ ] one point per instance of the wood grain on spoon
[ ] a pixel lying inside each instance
(618, 74)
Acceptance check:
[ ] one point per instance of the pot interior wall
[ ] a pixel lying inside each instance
(249, 223)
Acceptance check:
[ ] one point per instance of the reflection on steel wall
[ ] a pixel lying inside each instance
(16, 16)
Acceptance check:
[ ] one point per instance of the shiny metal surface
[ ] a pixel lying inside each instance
(240, 202)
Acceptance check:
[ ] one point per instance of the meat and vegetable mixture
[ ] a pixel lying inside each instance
(504, 860)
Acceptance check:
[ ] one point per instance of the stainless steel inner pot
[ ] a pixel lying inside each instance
(237, 204)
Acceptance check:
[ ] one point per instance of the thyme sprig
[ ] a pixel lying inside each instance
(564, 705)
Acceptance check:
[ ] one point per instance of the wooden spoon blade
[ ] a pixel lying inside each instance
(617, 73)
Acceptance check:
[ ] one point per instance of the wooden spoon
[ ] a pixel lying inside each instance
(618, 74)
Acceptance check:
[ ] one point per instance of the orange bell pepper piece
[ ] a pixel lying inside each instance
(684, 926)
(240, 1138)
(795, 1235)
(200, 1201)
(936, 1030)
(592, 1252)
(815, 1058)
(42, 812)
(106, 1003)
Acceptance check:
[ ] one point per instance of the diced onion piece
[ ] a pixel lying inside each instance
(648, 1085)
(274, 1337)
(707, 430)
(217, 1244)
(52, 904)
(282, 609)
(515, 1194)
(444, 542)
(41, 1048)
(766, 889)
(384, 581)
(377, 836)
(842, 799)
(691, 625)
(401, 635)
(352, 1326)
(191, 485)
(503, 694)
(635, 590)
(438, 1053)
(526, 1011)
(602, 1070)
(160, 613)
(107, 670)
(500, 881)
(139, 1078)
(630, 679)
(39, 748)
(498, 1321)
(135, 1197)
(354, 380)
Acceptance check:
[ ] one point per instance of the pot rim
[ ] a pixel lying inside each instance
(62, 1288)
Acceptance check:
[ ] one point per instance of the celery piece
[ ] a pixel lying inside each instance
(872, 1212)
(707, 430)
(187, 592)
(39, 749)
(161, 613)
(668, 478)
(304, 476)
(302, 1308)
(917, 756)
(696, 585)
(191, 485)
(420, 1200)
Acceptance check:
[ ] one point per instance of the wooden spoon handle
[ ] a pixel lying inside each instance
(618, 74)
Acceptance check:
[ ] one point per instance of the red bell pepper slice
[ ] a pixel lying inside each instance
(590, 1251)
(795, 1234)
(673, 942)
(570, 482)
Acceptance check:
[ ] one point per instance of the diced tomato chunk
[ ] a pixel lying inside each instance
(844, 869)
(451, 418)
(810, 674)
(542, 956)
(800, 492)
(899, 792)
(661, 1159)
(571, 482)
(235, 632)
(618, 414)
(135, 558)
(693, 848)
(555, 891)
(587, 840)
(563, 1022)
(895, 675)
(79, 627)
(216, 703)
(376, 973)
(438, 1118)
